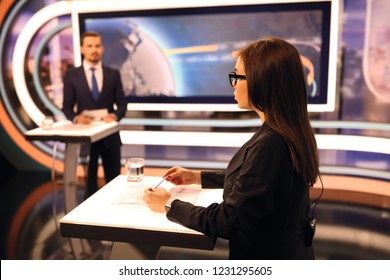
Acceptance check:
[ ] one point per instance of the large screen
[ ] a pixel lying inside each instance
(180, 57)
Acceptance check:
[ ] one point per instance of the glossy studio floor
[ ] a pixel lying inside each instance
(351, 224)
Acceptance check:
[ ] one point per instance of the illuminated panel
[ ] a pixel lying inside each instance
(177, 95)
(380, 87)
(224, 139)
(21, 46)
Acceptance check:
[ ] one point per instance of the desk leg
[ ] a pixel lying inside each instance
(80, 247)
(70, 176)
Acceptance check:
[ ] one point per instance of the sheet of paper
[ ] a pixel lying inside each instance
(134, 193)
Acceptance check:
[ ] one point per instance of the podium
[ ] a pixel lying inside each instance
(73, 135)
(100, 218)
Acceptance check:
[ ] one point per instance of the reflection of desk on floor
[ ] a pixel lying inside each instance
(73, 135)
(99, 217)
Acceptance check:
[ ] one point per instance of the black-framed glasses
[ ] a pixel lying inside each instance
(233, 78)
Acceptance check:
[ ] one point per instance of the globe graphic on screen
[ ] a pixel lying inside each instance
(145, 70)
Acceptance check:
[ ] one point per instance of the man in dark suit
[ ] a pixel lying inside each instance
(95, 86)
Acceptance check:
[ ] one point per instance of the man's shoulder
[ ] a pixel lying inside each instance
(72, 70)
(109, 69)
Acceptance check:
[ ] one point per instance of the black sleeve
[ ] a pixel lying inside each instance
(69, 98)
(253, 194)
(120, 98)
(212, 179)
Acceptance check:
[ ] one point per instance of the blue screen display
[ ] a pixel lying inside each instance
(184, 55)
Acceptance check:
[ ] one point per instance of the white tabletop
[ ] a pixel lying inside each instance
(100, 217)
(68, 132)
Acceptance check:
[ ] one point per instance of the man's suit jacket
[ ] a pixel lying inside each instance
(264, 207)
(77, 92)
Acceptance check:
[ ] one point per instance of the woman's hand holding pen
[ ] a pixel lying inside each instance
(181, 176)
(156, 199)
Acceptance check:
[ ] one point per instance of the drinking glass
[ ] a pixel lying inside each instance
(135, 169)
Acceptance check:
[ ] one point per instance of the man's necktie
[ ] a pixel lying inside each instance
(95, 89)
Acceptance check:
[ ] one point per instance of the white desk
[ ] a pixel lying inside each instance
(100, 218)
(73, 135)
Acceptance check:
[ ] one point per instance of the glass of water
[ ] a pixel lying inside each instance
(135, 169)
(47, 123)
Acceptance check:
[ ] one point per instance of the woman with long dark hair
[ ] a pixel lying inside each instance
(264, 212)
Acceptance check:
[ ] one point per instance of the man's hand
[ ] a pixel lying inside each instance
(81, 119)
(110, 118)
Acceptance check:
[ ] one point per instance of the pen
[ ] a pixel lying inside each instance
(160, 183)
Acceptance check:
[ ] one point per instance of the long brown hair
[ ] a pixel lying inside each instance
(276, 86)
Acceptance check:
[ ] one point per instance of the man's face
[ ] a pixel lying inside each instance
(92, 49)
